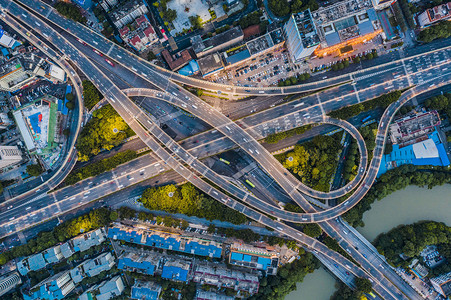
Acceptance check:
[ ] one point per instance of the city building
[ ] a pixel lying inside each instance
(53, 255)
(92, 267)
(139, 34)
(13, 76)
(108, 4)
(178, 60)
(442, 284)
(145, 290)
(210, 64)
(176, 270)
(382, 4)
(217, 42)
(66, 250)
(413, 128)
(166, 240)
(5, 121)
(8, 282)
(87, 240)
(435, 14)
(301, 35)
(54, 287)
(345, 23)
(140, 263)
(254, 257)
(127, 12)
(417, 268)
(210, 295)
(37, 123)
(222, 277)
(7, 41)
(9, 155)
(107, 289)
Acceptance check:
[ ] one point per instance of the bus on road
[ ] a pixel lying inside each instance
(250, 183)
(224, 161)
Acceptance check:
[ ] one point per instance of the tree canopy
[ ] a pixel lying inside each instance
(91, 95)
(187, 200)
(441, 30)
(105, 130)
(71, 11)
(34, 169)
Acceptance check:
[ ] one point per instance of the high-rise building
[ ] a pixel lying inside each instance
(128, 12)
(8, 282)
(9, 155)
(301, 35)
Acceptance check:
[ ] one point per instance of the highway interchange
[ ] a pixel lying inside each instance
(130, 112)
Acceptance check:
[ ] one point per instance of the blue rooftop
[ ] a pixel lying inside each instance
(406, 155)
(174, 273)
(191, 68)
(237, 57)
(145, 267)
(36, 262)
(240, 257)
(144, 293)
(170, 243)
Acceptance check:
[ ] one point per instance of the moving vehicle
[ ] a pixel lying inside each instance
(250, 183)
(224, 161)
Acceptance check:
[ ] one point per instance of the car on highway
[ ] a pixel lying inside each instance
(109, 62)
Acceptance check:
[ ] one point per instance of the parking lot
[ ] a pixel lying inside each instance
(265, 70)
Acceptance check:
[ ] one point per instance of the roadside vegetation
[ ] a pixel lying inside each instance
(314, 162)
(294, 79)
(344, 292)
(91, 95)
(100, 167)
(276, 137)
(34, 169)
(105, 130)
(70, 11)
(410, 240)
(382, 101)
(440, 31)
(46, 239)
(187, 200)
(441, 103)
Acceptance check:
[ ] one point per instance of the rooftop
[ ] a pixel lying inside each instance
(145, 290)
(176, 270)
(306, 28)
(200, 45)
(210, 64)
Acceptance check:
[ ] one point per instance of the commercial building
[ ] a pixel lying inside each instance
(9, 155)
(217, 42)
(139, 34)
(442, 284)
(40, 260)
(176, 270)
(301, 35)
(127, 12)
(429, 150)
(8, 282)
(166, 240)
(210, 64)
(53, 255)
(13, 76)
(254, 257)
(7, 41)
(435, 14)
(145, 290)
(413, 128)
(55, 287)
(344, 23)
(92, 267)
(177, 61)
(223, 277)
(107, 289)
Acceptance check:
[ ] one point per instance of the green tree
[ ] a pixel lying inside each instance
(70, 97)
(71, 11)
(196, 22)
(114, 215)
(151, 55)
(312, 229)
(34, 169)
(70, 105)
(91, 95)
(363, 284)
